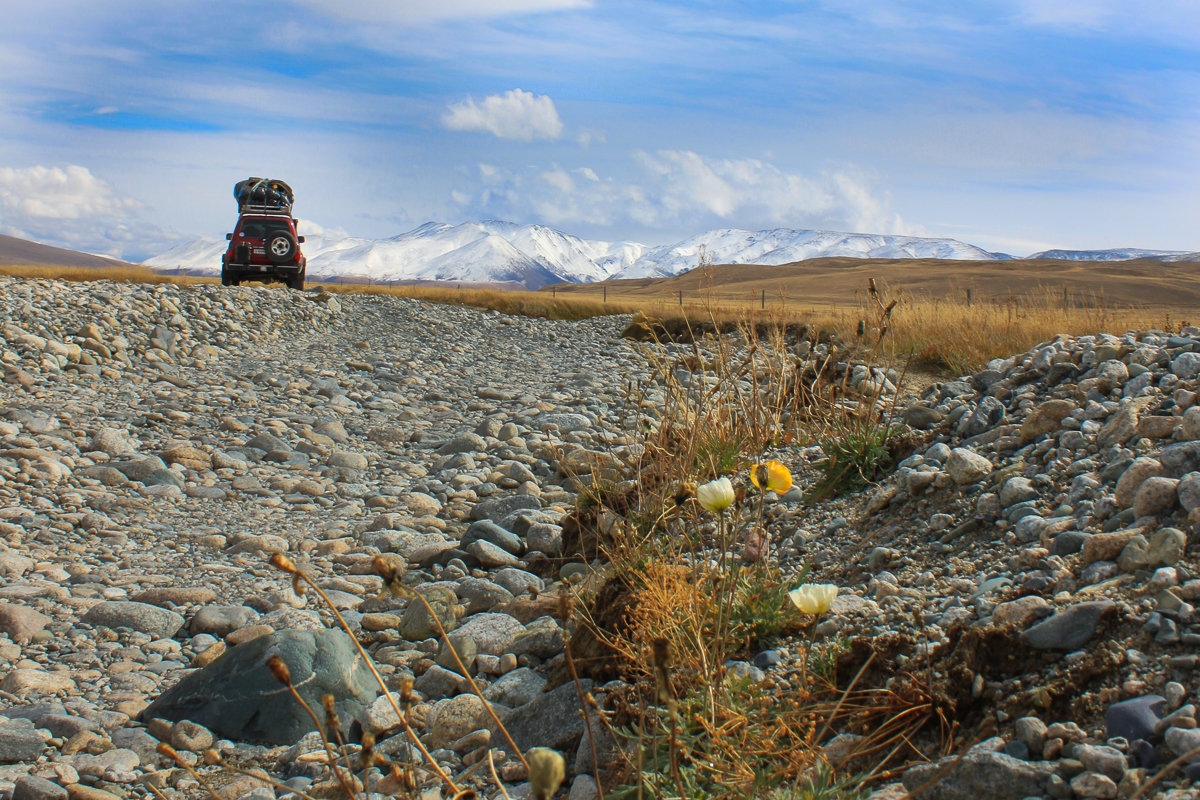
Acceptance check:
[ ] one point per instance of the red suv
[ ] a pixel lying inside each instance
(264, 245)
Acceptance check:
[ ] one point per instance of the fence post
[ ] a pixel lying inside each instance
(553, 291)
(764, 299)
(1066, 301)
(606, 294)
(968, 298)
(681, 297)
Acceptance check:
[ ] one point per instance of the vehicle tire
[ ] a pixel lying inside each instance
(281, 247)
(297, 281)
(226, 278)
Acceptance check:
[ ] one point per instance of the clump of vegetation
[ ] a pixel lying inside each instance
(852, 460)
(690, 583)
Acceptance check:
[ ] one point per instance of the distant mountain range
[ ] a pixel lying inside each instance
(22, 252)
(532, 256)
(1119, 254)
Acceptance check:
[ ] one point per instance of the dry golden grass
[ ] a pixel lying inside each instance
(1014, 304)
(132, 273)
(826, 282)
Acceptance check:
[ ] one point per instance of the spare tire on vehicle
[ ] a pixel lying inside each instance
(281, 247)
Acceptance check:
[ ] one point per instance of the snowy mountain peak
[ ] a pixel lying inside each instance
(784, 245)
(495, 251)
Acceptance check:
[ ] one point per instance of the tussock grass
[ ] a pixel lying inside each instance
(132, 273)
(941, 331)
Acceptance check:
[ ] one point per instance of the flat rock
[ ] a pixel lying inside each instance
(1069, 628)
(979, 775)
(31, 787)
(497, 508)
(493, 633)
(21, 623)
(19, 741)
(551, 720)
(966, 466)
(175, 595)
(236, 697)
(28, 680)
(158, 622)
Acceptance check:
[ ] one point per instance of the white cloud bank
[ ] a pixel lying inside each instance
(516, 114)
(71, 207)
(676, 187)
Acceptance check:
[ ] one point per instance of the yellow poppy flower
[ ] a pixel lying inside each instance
(771, 475)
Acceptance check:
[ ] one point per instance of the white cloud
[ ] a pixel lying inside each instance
(402, 12)
(71, 207)
(559, 179)
(54, 193)
(516, 114)
(674, 187)
(586, 137)
(685, 183)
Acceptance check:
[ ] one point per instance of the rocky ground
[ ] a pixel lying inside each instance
(1031, 557)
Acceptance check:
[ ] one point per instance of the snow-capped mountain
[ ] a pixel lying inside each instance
(576, 260)
(473, 252)
(784, 245)
(1118, 254)
(535, 255)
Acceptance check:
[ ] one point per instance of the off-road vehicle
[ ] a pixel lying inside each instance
(264, 245)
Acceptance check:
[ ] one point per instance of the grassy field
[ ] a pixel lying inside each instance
(1013, 305)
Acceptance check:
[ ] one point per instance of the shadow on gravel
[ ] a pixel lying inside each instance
(948, 679)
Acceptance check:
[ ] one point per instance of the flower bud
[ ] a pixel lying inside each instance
(279, 670)
(547, 769)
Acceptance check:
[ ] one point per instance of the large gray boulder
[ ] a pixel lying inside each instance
(236, 697)
(979, 776)
(551, 720)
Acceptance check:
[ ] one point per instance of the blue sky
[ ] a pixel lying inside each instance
(1016, 125)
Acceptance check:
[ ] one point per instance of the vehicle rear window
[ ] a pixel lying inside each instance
(258, 229)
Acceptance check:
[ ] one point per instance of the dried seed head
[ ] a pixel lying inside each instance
(167, 751)
(384, 569)
(888, 311)
(299, 587)
(281, 562)
(211, 757)
(279, 670)
(871, 287)
(565, 605)
(406, 692)
(861, 330)
(327, 702)
(660, 653)
(686, 490)
(367, 756)
(546, 771)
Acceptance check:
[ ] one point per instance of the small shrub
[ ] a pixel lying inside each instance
(852, 460)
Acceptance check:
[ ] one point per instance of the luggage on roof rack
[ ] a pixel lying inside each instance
(263, 194)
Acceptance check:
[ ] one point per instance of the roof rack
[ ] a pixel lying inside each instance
(263, 195)
(274, 211)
